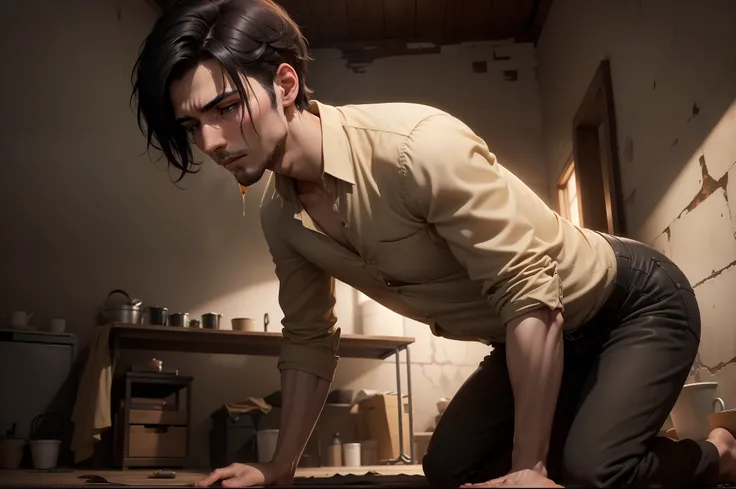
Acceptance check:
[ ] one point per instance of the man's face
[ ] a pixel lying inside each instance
(207, 105)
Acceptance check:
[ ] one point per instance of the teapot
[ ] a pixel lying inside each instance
(19, 319)
(122, 310)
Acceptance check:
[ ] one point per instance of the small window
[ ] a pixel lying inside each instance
(568, 194)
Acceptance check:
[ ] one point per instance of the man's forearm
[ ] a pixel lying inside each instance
(534, 355)
(303, 398)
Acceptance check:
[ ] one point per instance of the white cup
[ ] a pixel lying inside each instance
(690, 413)
(351, 454)
(243, 324)
(266, 442)
(57, 325)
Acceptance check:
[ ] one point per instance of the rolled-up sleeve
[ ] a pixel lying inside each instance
(452, 180)
(307, 299)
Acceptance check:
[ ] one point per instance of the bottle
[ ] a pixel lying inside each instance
(334, 453)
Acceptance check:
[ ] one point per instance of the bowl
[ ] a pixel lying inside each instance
(723, 419)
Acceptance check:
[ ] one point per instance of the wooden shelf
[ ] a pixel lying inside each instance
(197, 340)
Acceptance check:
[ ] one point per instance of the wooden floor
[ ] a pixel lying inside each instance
(140, 477)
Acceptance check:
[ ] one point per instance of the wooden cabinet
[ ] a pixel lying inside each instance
(152, 426)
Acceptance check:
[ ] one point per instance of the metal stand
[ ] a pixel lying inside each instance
(403, 458)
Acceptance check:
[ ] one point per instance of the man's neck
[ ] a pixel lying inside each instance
(302, 158)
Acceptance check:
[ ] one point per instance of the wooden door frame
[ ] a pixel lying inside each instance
(561, 187)
(595, 153)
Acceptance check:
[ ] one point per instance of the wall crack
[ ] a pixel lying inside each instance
(699, 366)
(715, 274)
(707, 189)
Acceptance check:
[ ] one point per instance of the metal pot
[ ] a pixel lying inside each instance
(211, 320)
(127, 311)
(179, 319)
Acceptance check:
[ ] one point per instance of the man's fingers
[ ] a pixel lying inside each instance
(235, 482)
(216, 475)
(243, 480)
(206, 481)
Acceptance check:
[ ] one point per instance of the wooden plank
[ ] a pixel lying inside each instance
(476, 16)
(454, 26)
(430, 19)
(329, 22)
(399, 19)
(365, 18)
(509, 19)
(169, 338)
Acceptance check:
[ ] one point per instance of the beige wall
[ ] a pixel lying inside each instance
(84, 213)
(667, 58)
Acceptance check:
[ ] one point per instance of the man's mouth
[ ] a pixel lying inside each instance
(228, 163)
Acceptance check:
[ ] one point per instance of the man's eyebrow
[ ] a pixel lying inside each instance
(208, 105)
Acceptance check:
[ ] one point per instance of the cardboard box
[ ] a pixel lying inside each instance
(421, 442)
(380, 422)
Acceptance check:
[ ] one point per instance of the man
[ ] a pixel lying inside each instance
(593, 335)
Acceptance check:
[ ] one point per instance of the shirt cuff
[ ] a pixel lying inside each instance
(548, 293)
(315, 361)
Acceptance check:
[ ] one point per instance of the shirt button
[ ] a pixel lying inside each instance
(388, 283)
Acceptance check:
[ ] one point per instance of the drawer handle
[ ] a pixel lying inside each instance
(156, 428)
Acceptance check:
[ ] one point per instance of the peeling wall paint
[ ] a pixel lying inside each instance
(709, 186)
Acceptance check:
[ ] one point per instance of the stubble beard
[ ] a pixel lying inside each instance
(251, 176)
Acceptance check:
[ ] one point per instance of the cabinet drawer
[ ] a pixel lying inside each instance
(157, 441)
(157, 416)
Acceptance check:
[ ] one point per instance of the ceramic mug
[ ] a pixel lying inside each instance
(690, 414)
(57, 325)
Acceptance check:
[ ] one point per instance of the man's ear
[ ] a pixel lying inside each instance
(287, 84)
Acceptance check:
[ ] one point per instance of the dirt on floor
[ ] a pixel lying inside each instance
(379, 476)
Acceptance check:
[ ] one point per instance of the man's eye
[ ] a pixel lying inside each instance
(228, 108)
(191, 129)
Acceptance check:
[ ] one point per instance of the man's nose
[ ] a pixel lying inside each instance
(212, 139)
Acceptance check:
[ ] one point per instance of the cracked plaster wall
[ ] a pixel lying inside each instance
(674, 84)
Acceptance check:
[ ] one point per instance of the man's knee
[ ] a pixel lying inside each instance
(443, 468)
(448, 465)
(438, 469)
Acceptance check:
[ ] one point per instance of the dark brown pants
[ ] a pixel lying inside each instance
(623, 371)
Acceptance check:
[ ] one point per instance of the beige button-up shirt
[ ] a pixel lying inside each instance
(444, 235)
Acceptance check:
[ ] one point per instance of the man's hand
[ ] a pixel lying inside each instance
(247, 475)
(520, 478)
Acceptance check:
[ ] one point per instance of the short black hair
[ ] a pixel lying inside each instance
(249, 37)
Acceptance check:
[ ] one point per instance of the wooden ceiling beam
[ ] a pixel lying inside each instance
(331, 23)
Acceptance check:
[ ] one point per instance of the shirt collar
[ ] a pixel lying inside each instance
(336, 154)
